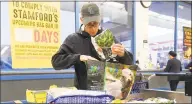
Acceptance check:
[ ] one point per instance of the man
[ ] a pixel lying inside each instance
(173, 65)
(78, 48)
(137, 63)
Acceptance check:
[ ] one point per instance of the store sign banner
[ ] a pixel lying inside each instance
(35, 33)
(187, 41)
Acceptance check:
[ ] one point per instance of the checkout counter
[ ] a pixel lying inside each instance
(15, 83)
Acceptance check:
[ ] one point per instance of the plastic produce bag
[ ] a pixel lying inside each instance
(119, 79)
(104, 40)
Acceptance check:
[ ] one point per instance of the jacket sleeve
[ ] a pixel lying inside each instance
(168, 66)
(180, 68)
(127, 58)
(65, 56)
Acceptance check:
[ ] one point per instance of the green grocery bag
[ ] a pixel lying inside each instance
(95, 75)
(119, 79)
(115, 78)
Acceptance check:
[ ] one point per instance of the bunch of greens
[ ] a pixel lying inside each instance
(105, 39)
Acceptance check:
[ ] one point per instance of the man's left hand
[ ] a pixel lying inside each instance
(118, 49)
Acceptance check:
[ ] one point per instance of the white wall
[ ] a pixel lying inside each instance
(142, 22)
(67, 24)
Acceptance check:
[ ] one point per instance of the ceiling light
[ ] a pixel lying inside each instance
(180, 6)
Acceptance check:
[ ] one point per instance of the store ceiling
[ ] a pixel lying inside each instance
(165, 8)
(115, 11)
(122, 17)
(121, 23)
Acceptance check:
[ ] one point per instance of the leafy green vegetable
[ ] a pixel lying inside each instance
(105, 39)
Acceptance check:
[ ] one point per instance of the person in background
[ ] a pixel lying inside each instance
(137, 63)
(78, 48)
(174, 66)
(189, 66)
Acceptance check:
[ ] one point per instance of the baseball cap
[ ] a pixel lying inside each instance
(90, 12)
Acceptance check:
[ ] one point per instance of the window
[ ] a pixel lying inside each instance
(67, 19)
(117, 16)
(183, 20)
(161, 32)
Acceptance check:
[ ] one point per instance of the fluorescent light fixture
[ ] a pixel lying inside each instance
(115, 5)
(169, 18)
(180, 6)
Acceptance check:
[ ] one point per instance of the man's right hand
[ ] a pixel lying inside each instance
(85, 58)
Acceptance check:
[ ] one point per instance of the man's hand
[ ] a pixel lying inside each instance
(85, 58)
(99, 49)
(118, 49)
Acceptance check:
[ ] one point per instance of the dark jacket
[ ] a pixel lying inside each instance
(77, 44)
(189, 66)
(174, 66)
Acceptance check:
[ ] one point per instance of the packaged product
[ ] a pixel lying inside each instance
(69, 96)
